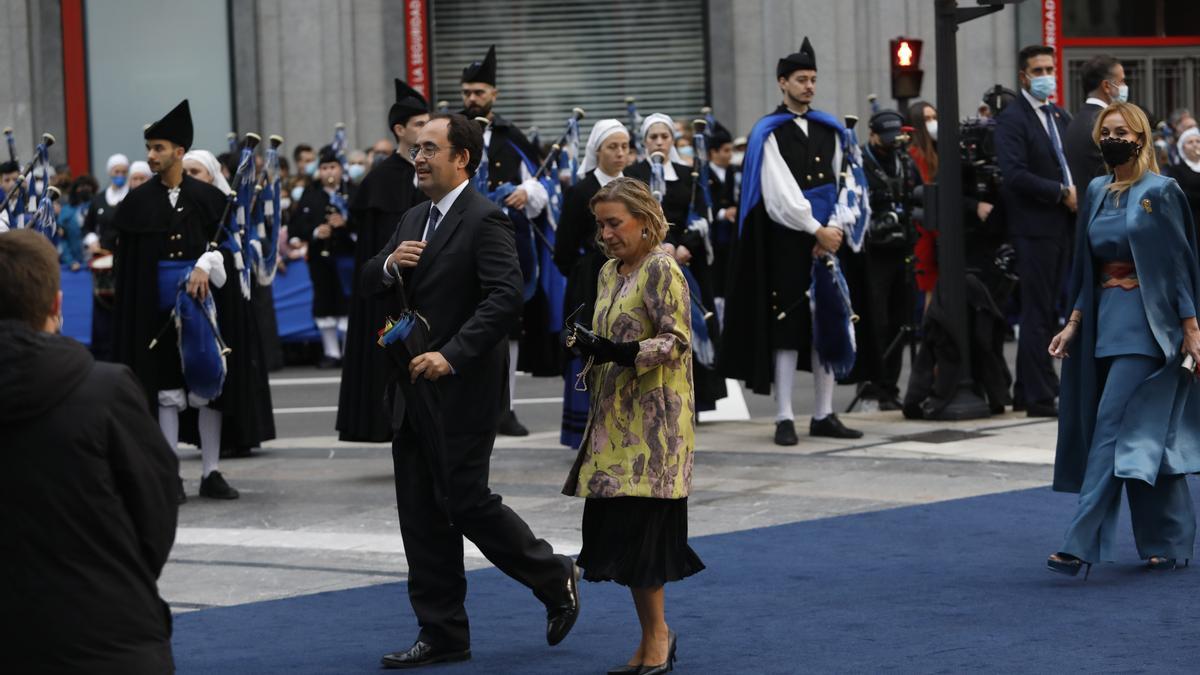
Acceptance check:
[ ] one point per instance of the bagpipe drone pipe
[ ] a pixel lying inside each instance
(30, 201)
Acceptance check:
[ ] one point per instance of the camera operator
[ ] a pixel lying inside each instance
(892, 179)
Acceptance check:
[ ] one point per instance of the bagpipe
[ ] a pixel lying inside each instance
(265, 212)
(30, 202)
(635, 127)
(239, 227)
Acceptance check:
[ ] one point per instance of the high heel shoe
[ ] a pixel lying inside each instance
(666, 666)
(1068, 565)
(1160, 563)
(625, 669)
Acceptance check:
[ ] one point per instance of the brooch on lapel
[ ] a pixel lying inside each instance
(1146, 206)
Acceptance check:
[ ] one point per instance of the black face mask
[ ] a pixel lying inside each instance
(1117, 151)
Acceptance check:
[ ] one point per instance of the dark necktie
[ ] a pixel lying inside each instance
(1052, 129)
(434, 217)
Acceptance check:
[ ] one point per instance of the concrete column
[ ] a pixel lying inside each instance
(16, 99)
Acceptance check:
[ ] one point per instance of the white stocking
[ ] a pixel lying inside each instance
(329, 338)
(210, 439)
(823, 383)
(168, 421)
(785, 377)
(514, 350)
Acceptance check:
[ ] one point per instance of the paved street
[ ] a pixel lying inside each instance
(318, 515)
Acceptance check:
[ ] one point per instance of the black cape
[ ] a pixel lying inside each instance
(329, 298)
(385, 194)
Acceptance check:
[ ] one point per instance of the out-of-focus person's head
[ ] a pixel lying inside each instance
(206, 168)
(306, 159)
(1189, 147)
(356, 165)
(29, 280)
(478, 86)
(196, 169)
(139, 173)
(117, 168)
(447, 153)
(629, 220)
(8, 175)
(329, 168)
(407, 115)
(1123, 133)
(886, 127)
(1104, 78)
(1180, 120)
(612, 153)
(922, 116)
(1035, 70)
(720, 146)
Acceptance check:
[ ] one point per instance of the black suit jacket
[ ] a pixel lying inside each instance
(1083, 155)
(1033, 178)
(468, 287)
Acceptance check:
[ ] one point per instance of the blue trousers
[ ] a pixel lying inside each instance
(1164, 523)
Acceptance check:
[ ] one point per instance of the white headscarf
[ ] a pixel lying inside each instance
(140, 168)
(600, 133)
(116, 160)
(212, 166)
(1194, 131)
(113, 194)
(659, 118)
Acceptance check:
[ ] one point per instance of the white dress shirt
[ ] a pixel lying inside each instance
(1041, 115)
(785, 201)
(443, 206)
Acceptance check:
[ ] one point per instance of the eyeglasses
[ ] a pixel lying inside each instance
(427, 151)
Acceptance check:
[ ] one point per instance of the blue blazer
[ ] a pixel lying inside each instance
(1160, 431)
(1032, 178)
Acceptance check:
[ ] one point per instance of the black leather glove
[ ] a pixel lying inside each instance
(603, 350)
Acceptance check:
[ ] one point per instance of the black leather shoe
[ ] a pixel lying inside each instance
(831, 427)
(785, 433)
(509, 426)
(182, 493)
(625, 669)
(560, 618)
(214, 486)
(423, 654)
(1041, 410)
(328, 362)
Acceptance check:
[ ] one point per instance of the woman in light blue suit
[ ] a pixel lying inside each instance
(1130, 413)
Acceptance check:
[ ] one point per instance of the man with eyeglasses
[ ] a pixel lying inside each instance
(458, 262)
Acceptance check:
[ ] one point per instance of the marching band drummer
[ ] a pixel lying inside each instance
(789, 191)
(164, 227)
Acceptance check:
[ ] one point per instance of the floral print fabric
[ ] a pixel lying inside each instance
(640, 433)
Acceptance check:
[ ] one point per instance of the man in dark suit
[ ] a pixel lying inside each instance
(1038, 194)
(458, 263)
(1104, 82)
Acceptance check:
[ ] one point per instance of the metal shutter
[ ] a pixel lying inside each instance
(554, 55)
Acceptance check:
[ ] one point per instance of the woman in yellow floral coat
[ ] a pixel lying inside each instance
(635, 464)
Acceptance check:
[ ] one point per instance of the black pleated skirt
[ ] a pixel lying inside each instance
(638, 542)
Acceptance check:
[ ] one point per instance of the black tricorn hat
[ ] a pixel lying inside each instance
(326, 155)
(482, 71)
(718, 135)
(175, 126)
(805, 59)
(409, 102)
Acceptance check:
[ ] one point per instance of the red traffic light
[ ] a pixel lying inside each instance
(906, 54)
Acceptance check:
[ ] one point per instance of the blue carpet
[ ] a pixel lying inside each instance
(954, 586)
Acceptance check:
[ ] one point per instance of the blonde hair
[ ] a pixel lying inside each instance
(636, 197)
(1137, 122)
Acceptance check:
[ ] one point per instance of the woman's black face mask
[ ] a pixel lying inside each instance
(1117, 151)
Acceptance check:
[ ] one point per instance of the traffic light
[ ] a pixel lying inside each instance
(906, 68)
